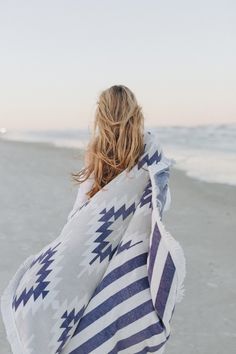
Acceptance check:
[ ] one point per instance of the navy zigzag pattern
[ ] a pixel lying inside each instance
(45, 259)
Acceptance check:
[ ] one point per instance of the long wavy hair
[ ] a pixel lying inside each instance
(117, 138)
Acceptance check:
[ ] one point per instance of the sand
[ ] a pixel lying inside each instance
(37, 194)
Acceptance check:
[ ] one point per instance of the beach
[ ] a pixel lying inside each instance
(37, 194)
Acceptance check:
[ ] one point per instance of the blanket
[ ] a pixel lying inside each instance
(110, 281)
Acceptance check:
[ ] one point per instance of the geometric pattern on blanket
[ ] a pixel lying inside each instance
(109, 283)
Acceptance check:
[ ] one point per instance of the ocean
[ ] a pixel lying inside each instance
(205, 152)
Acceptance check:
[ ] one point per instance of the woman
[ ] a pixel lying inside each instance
(110, 281)
(117, 146)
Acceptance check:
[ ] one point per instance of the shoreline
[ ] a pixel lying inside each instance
(80, 151)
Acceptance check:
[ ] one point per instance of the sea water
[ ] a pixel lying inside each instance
(205, 152)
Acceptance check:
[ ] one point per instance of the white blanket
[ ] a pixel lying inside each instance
(110, 281)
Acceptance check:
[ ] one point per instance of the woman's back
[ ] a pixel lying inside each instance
(85, 187)
(110, 281)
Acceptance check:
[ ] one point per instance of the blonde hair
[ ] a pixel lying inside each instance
(120, 139)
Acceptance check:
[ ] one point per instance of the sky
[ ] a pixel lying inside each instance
(178, 57)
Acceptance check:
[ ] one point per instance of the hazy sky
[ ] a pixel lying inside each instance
(178, 57)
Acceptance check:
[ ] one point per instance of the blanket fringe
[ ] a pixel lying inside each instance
(178, 256)
(173, 245)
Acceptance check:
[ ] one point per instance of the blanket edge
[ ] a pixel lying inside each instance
(6, 309)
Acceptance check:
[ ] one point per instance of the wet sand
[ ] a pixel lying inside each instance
(37, 194)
